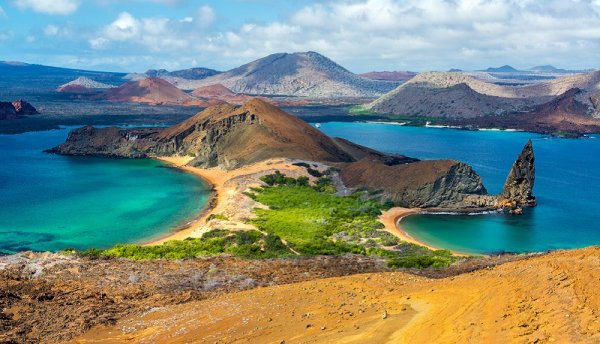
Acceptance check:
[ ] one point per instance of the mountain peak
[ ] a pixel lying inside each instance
(502, 69)
(303, 74)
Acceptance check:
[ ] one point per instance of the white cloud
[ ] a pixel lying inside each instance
(123, 28)
(206, 16)
(62, 7)
(51, 30)
(376, 34)
(2, 12)
(156, 34)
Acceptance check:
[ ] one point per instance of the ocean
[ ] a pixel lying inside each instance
(52, 202)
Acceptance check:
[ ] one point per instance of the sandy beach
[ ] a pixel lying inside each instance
(391, 220)
(228, 199)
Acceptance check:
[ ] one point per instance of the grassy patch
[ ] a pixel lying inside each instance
(313, 220)
(245, 244)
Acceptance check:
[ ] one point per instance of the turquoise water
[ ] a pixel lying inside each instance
(52, 202)
(567, 186)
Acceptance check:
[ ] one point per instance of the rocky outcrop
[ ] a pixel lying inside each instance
(422, 184)
(109, 142)
(16, 109)
(519, 183)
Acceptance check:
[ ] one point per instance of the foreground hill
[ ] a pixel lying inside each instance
(543, 299)
(154, 91)
(232, 137)
(307, 74)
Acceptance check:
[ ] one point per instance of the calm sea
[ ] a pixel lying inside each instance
(52, 202)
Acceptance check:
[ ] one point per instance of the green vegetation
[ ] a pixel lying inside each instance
(280, 179)
(217, 217)
(309, 169)
(412, 120)
(409, 255)
(567, 134)
(245, 244)
(302, 219)
(313, 220)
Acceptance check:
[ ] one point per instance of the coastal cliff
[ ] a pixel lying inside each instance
(231, 137)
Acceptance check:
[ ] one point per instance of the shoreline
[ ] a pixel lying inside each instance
(221, 195)
(391, 220)
(184, 231)
(226, 197)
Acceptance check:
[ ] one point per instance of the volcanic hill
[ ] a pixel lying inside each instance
(154, 91)
(306, 74)
(82, 85)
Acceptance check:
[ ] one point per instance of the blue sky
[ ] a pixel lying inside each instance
(362, 35)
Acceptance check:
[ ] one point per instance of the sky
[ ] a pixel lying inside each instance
(361, 35)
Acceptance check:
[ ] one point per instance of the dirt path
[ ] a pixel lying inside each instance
(551, 298)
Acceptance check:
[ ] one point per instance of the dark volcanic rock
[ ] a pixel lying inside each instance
(520, 180)
(23, 108)
(16, 109)
(7, 111)
(110, 142)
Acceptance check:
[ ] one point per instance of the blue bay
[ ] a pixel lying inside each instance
(567, 186)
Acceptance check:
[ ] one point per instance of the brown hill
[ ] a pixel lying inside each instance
(550, 298)
(233, 136)
(222, 135)
(423, 184)
(213, 91)
(154, 91)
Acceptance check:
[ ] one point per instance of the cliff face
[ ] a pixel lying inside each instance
(422, 184)
(521, 178)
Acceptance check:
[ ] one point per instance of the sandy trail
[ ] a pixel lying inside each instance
(545, 299)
